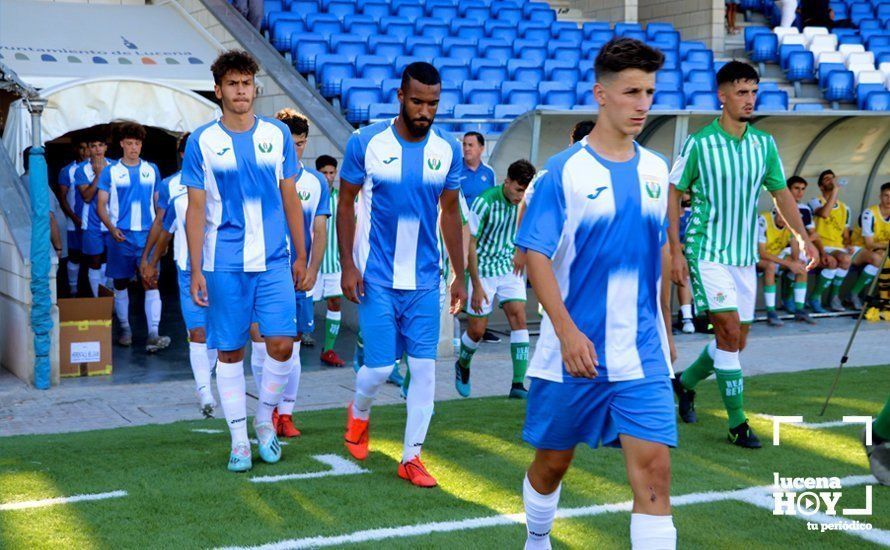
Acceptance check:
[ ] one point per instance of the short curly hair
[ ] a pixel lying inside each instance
(233, 60)
(522, 172)
(296, 122)
(131, 130)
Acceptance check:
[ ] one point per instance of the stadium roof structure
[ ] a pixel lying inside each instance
(855, 144)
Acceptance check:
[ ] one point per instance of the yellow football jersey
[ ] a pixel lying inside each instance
(831, 229)
(776, 239)
(880, 226)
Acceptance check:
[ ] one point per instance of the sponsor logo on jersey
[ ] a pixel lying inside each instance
(390, 160)
(596, 193)
(264, 146)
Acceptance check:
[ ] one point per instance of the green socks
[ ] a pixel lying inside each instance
(731, 385)
(839, 276)
(700, 369)
(467, 348)
(865, 278)
(769, 297)
(331, 329)
(825, 280)
(881, 427)
(519, 354)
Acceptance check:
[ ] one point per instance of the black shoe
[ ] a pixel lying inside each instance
(490, 337)
(685, 401)
(743, 436)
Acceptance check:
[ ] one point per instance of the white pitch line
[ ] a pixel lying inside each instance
(339, 467)
(749, 495)
(60, 500)
(813, 425)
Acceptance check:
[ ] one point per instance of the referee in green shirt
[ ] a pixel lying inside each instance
(723, 166)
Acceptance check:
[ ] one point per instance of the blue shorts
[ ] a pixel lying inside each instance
(123, 257)
(195, 316)
(93, 242)
(559, 416)
(305, 313)
(387, 314)
(75, 240)
(238, 298)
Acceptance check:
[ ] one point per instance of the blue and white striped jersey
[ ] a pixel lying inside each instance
(315, 197)
(246, 229)
(131, 192)
(603, 224)
(174, 219)
(89, 214)
(395, 237)
(72, 197)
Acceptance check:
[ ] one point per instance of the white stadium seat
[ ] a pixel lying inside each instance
(829, 57)
(885, 68)
(847, 49)
(823, 42)
(869, 77)
(793, 39)
(860, 58)
(858, 69)
(782, 31)
(810, 32)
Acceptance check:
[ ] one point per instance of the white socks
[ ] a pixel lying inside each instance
(421, 392)
(800, 293)
(274, 380)
(871, 270)
(289, 397)
(686, 311)
(652, 532)
(96, 277)
(712, 348)
(840, 274)
(257, 358)
(199, 357)
(73, 272)
(726, 360)
(539, 513)
(367, 383)
(153, 311)
(231, 387)
(121, 306)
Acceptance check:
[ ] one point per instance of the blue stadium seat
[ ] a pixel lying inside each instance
(389, 89)
(397, 27)
(772, 100)
(671, 60)
(450, 97)
(270, 6)
(360, 25)
(656, 27)
(589, 74)
(459, 48)
(443, 9)
(507, 112)
(700, 56)
(464, 5)
(530, 50)
(870, 25)
(705, 76)
(276, 16)
(878, 40)
(525, 70)
(668, 101)
(591, 27)
(432, 27)
(568, 31)
(635, 34)
(691, 88)
(562, 71)
(475, 111)
(688, 46)
(841, 11)
(584, 93)
(768, 86)
(304, 51)
(470, 29)
(426, 48)
(558, 93)
(374, 67)
(496, 49)
(666, 40)
(348, 45)
(341, 9)
(520, 93)
(477, 13)
(386, 46)
(331, 69)
(826, 69)
(785, 50)
(839, 86)
(600, 36)
(547, 15)
(668, 80)
(491, 70)
(622, 28)
(702, 101)
(303, 7)
(529, 7)
(849, 39)
(688, 66)
(383, 110)
(590, 49)
(860, 11)
(864, 90)
(507, 12)
(282, 31)
(412, 10)
(751, 32)
(357, 95)
(765, 48)
(479, 92)
(403, 61)
(377, 10)
(808, 107)
(878, 101)
(452, 70)
(323, 23)
(564, 51)
(800, 66)
(534, 30)
(501, 30)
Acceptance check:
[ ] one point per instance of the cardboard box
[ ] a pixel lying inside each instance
(85, 335)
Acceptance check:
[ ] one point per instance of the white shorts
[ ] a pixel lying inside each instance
(327, 285)
(833, 249)
(506, 288)
(787, 252)
(717, 288)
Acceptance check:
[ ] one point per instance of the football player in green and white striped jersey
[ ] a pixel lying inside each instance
(328, 285)
(490, 263)
(723, 167)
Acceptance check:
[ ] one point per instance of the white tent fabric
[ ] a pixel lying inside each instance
(82, 104)
(48, 43)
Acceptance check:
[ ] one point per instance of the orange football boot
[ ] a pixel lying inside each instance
(286, 426)
(415, 472)
(357, 435)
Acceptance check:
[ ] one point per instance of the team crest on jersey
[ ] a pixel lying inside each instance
(303, 194)
(653, 189)
(720, 298)
(146, 174)
(264, 146)
(434, 163)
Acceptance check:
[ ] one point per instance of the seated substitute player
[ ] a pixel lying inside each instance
(595, 240)
(72, 204)
(490, 265)
(779, 251)
(832, 217)
(175, 204)
(242, 202)
(127, 208)
(798, 186)
(400, 170)
(327, 287)
(869, 241)
(86, 179)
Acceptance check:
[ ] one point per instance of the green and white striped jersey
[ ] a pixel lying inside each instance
(331, 261)
(495, 232)
(724, 176)
(444, 261)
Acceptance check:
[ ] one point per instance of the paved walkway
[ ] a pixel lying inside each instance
(99, 403)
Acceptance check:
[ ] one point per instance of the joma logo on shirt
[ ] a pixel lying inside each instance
(434, 163)
(597, 192)
(223, 152)
(390, 160)
(264, 146)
